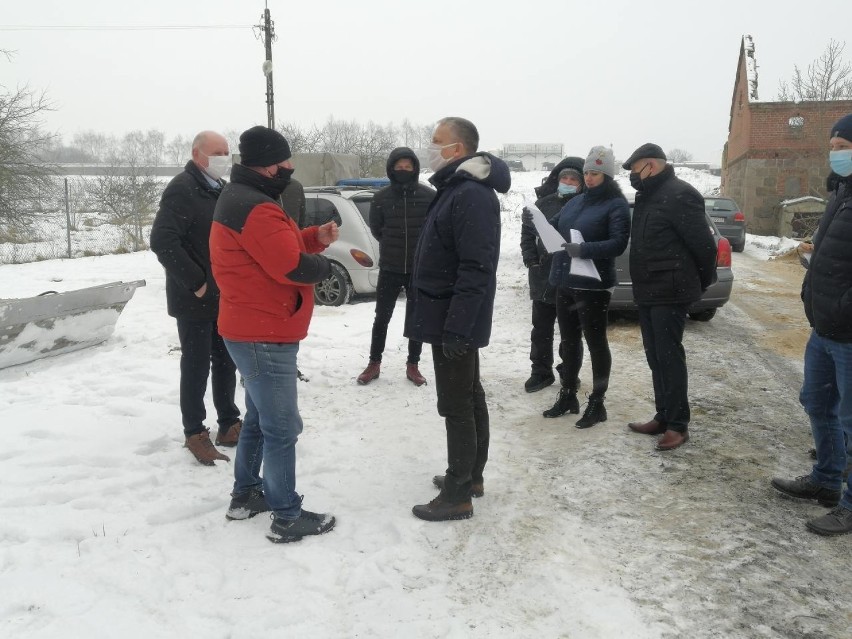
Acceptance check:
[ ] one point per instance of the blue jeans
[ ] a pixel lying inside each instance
(827, 398)
(271, 425)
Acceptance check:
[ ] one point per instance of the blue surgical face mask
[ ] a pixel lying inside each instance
(841, 162)
(566, 189)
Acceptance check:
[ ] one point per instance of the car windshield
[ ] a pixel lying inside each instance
(720, 205)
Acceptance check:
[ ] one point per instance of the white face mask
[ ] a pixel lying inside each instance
(435, 159)
(218, 165)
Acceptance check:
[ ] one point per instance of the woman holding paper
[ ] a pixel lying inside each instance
(596, 228)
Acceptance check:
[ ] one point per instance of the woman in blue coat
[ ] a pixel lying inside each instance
(602, 217)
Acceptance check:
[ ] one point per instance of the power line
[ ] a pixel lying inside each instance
(114, 27)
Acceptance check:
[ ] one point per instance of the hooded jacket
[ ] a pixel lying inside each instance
(672, 249)
(397, 213)
(827, 287)
(602, 215)
(455, 267)
(180, 236)
(266, 267)
(534, 253)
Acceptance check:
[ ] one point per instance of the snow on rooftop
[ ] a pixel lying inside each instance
(751, 67)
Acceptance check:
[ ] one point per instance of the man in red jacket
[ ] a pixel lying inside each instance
(266, 269)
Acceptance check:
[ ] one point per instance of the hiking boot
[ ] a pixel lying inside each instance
(412, 372)
(595, 413)
(477, 487)
(247, 505)
(370, 373)
(835, 522)
(283, 531)
(230, 436)
(441, 510)
(566, 402)
(538, 381)
(203, 449)
(804, 488)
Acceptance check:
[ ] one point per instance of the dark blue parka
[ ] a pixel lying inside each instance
(602, 215)
(455, 265)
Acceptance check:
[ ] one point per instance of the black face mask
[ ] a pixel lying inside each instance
(636, 180)
(402, 176)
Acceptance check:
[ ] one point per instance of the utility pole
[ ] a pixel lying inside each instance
(268, 31)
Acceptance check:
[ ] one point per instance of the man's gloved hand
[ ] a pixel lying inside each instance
(454, 345)
(572, 249)
(531, 263)
(527, 217)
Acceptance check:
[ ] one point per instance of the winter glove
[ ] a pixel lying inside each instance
(572, 249)
(454, 345)
(527, 217)
(531, 263)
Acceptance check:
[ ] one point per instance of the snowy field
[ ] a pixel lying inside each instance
(109, 528)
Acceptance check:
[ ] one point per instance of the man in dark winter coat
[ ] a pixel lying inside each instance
(180, 237)
(672, 262)
(827, 389)
(397, 213)
(452, 303)
(542, 293)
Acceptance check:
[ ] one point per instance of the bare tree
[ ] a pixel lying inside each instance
(826, 78)
(24, 178)
(679, 155)
(178, 150)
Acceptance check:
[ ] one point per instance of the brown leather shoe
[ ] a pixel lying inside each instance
(648, 428)
(671, 439)
(477, 488)
(370, 373)
(231, 436)
(412, 372)
(203, 449)
(440, 510)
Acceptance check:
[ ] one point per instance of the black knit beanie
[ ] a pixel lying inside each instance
(842, 128)
(262, 146)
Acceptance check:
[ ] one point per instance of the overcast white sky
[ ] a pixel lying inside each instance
(582, 73)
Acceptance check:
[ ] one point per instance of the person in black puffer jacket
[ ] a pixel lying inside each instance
(542, 293)
(827, 388)
(180, 238)
(672, 262)
(397, 213)
(602, 216)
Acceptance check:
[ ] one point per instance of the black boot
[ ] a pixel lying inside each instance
(537, 381)
(595, 412)
(566, 402)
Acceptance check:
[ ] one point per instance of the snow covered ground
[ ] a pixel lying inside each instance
(109, 528)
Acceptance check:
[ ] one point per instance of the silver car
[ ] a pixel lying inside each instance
(355, 255)
(716, 296)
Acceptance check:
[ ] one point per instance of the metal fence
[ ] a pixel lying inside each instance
(65, 224)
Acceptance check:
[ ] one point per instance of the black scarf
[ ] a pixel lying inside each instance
(270, 186)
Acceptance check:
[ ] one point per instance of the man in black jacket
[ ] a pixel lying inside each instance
(397, 213)
(542, 293)
(827, 389)
(453, 286)
(180, 237)
(672, 262)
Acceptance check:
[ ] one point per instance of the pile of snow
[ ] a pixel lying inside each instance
(767, 246)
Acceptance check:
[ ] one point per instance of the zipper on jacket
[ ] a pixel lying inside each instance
(405, 230)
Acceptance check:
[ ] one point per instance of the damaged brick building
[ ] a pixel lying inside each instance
(776, 151)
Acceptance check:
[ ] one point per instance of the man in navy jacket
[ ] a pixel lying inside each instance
(453, 286)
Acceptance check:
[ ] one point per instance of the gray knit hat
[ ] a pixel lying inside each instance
(572, 172)
(600, 159)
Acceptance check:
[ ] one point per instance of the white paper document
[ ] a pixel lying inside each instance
(550, 237)
(579, 266)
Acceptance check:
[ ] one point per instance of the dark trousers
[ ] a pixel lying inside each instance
(387, 292)
(541, 337)
(202, 350)
(461, 402)
(662, 337)
(583, 314)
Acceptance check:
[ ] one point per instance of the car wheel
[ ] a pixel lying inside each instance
(738, 248)
(335, 290)
(703, 316)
